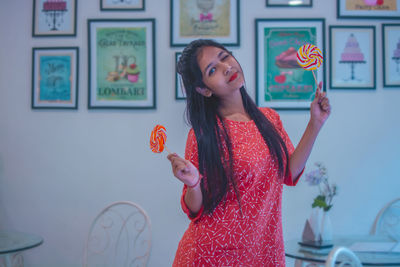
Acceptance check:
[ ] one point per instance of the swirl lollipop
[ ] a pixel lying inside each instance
(309, 57)
(158, 137)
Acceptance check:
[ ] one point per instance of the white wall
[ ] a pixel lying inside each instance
(59, 168)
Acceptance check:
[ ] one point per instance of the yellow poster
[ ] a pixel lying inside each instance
(207, 18)
(373, 5)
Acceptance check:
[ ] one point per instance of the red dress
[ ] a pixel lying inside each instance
(225, 237)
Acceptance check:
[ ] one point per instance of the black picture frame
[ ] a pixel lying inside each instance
(391, 54)
(296, 90)
(54, 19)
(225, 30)
(122, 75)
(351, 69)
(122, 5)
(55, 77)
(366, 11)
(179, 88)
(288, 3)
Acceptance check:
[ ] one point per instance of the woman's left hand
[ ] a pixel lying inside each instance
(320, 108)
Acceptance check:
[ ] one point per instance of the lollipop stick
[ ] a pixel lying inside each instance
(166, 148)
(315, 79)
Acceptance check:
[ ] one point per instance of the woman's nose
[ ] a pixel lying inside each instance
(227, 69)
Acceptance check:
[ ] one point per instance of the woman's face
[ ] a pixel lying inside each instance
(221, 72)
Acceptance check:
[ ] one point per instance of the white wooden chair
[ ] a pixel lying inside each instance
(387, 222)
(342, 256)
(120, 235)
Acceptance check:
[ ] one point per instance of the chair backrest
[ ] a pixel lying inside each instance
(342, 256)
(120, 235)
(387, 222)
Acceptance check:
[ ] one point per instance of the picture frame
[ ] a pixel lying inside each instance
(368, 9)
(122, 5)
(218, 20)
(54, 18)
(55, 73)
(121, 56)
(391, 55)
(352, 57)
(179, 88)
(289, 3)
(280, 82)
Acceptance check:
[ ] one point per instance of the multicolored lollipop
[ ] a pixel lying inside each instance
(309, 57)
(158, 137)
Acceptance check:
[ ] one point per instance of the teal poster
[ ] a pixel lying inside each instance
(55, 79)
(121, 64)
(284, 79)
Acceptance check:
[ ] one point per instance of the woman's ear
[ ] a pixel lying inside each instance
(204, 91)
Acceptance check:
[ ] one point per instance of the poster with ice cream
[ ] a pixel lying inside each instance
(391, 55)
(352, 57)
(282, 82)
(121, 63)
(359, 9)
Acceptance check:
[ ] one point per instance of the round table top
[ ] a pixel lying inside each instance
(11, 242)
(294, 250)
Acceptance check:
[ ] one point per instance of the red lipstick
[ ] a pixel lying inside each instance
(234, 76)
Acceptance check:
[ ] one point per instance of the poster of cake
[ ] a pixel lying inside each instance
(54, 18)
(212, 19)
(352, 57)
(369, 8)
(121, 63)
(54, 81)
(281, 81)
(391, 55)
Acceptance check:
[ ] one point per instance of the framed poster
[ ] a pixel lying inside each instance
(368, 9)
(280, 82)
(54, 18)
(122, 5)
(179, 88)
(352, 57)
(206, 19)
(55, 77)
(121, 63)
(289, 3)
(391, 55)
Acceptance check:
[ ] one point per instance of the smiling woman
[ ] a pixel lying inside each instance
(237, 158)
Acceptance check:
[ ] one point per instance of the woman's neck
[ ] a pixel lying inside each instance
(232, 108)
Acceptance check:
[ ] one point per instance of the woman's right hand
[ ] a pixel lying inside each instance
(183, 169)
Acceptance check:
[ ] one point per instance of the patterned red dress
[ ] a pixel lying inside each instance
(225, 237)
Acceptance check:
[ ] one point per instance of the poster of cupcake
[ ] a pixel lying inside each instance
(209, 19)
(389, 9)
(391, 55)
(121, 63)
(352, 57)
(281, 82)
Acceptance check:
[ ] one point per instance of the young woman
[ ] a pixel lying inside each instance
(237, 158)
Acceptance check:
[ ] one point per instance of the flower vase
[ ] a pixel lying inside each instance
(318, 227)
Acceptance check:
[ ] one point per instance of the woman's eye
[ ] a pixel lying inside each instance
(212, 70)
(225, 56)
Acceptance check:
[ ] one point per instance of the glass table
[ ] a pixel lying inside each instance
(294, 250)
(11, 243)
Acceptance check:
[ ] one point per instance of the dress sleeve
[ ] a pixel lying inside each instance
(276, 120)
(191, 153)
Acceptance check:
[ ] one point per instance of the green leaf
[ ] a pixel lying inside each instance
(320, 202)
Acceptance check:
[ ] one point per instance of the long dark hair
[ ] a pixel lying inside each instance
(203, 115)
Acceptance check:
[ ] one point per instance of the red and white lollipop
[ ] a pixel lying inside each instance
(309, 57)
(158, 137)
